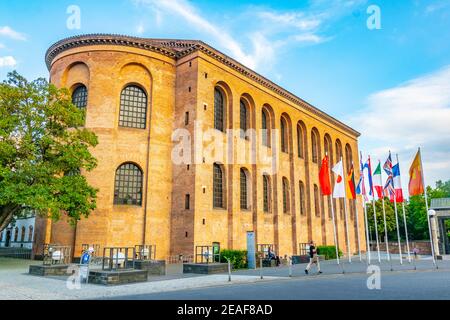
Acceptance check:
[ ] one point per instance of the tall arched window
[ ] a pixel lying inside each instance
(300, 142)
(302, 199)
(266, 193)
(16, 234)
(286, 203)
(338, 147)
(284, 137)
(218, 186)
(265, 126)
(133, 108)
(317, 200)
(30, 234)
(80, 97)
(22, 236)
(128, 185)
(245, 194)
(219, 110)
(315, 146)
(244, 119)
(327, 146)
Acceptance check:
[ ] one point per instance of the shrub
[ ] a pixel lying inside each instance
(328, 251)
(238, 258)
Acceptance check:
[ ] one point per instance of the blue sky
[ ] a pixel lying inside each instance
(392, 84)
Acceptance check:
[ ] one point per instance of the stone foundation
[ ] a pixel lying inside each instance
(153, 268)
(213, 268)
(111, 278)
(54, 270)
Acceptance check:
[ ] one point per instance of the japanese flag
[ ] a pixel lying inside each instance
(339, 186)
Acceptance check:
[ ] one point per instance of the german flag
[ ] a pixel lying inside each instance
(350, 185)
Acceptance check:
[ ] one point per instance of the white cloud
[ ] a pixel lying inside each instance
(266, 30)
(7, 61)
(140, 28)
(416, 113)
(10, 33)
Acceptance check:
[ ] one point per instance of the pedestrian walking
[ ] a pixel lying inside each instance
(313, 258)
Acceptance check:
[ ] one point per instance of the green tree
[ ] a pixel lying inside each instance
(390, 219)
(43, 148)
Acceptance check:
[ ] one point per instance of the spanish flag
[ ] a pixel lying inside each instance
(350, 185)
(415, 177)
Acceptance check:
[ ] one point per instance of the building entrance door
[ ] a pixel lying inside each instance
(8, 239)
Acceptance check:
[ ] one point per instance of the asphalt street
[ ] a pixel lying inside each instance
(402, 285)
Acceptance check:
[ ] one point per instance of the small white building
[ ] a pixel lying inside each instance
(20, 233)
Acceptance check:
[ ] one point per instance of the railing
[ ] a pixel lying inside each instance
(16, 253)
(118, 258)
(177, 259)
(145, 252)
(56, 254)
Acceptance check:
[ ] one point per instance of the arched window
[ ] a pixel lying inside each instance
(244, 119)
(316, 200)
(133, 108)
(265, 128)
(218, 186)
(286, 204)
(219, 110)
(30, 234)
(22, 236)
(266, 193)
(302, 199)
(16, 234)
(300, 142)
(80, 97)
(244, 189)
(338, 147)
(315, 146)
(327, 146)
(128, 185)
(284, 135)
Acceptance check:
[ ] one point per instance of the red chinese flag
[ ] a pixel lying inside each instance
(324, 178)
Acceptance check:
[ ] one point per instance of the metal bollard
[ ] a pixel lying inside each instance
(229, 270)
(290, 267)
(261, 268)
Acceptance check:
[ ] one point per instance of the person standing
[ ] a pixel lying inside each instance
(313, 258)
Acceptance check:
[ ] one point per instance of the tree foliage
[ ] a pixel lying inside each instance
(43, 151)
(416, 215)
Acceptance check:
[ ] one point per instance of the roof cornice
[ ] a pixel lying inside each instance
(178, 49)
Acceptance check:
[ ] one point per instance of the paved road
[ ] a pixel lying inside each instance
(404, 285)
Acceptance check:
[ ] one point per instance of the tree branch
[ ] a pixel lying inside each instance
(7, 215)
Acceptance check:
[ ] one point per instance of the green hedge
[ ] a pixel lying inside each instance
(238, 258)
(328, 251)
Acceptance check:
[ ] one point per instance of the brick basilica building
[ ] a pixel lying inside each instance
(139, 92)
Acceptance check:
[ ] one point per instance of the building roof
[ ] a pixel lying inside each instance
(178, 49)
(442, 203)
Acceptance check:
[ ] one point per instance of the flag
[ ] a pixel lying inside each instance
(324, 177)
(368, 166)
(389, 186)
(361, 188)
(415, 177)
(378, 181)
(397, 183)
(350, 185)
(339, 191)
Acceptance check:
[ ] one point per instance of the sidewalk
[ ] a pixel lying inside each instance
(17, 284)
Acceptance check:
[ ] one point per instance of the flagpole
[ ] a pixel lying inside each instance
(404, 220)
(346, 214)
(375, 220)
(386, 237)
(398, 227)
(426, 206)
(336, 244)
(365, 212)
(335, 231)
(357, 221)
